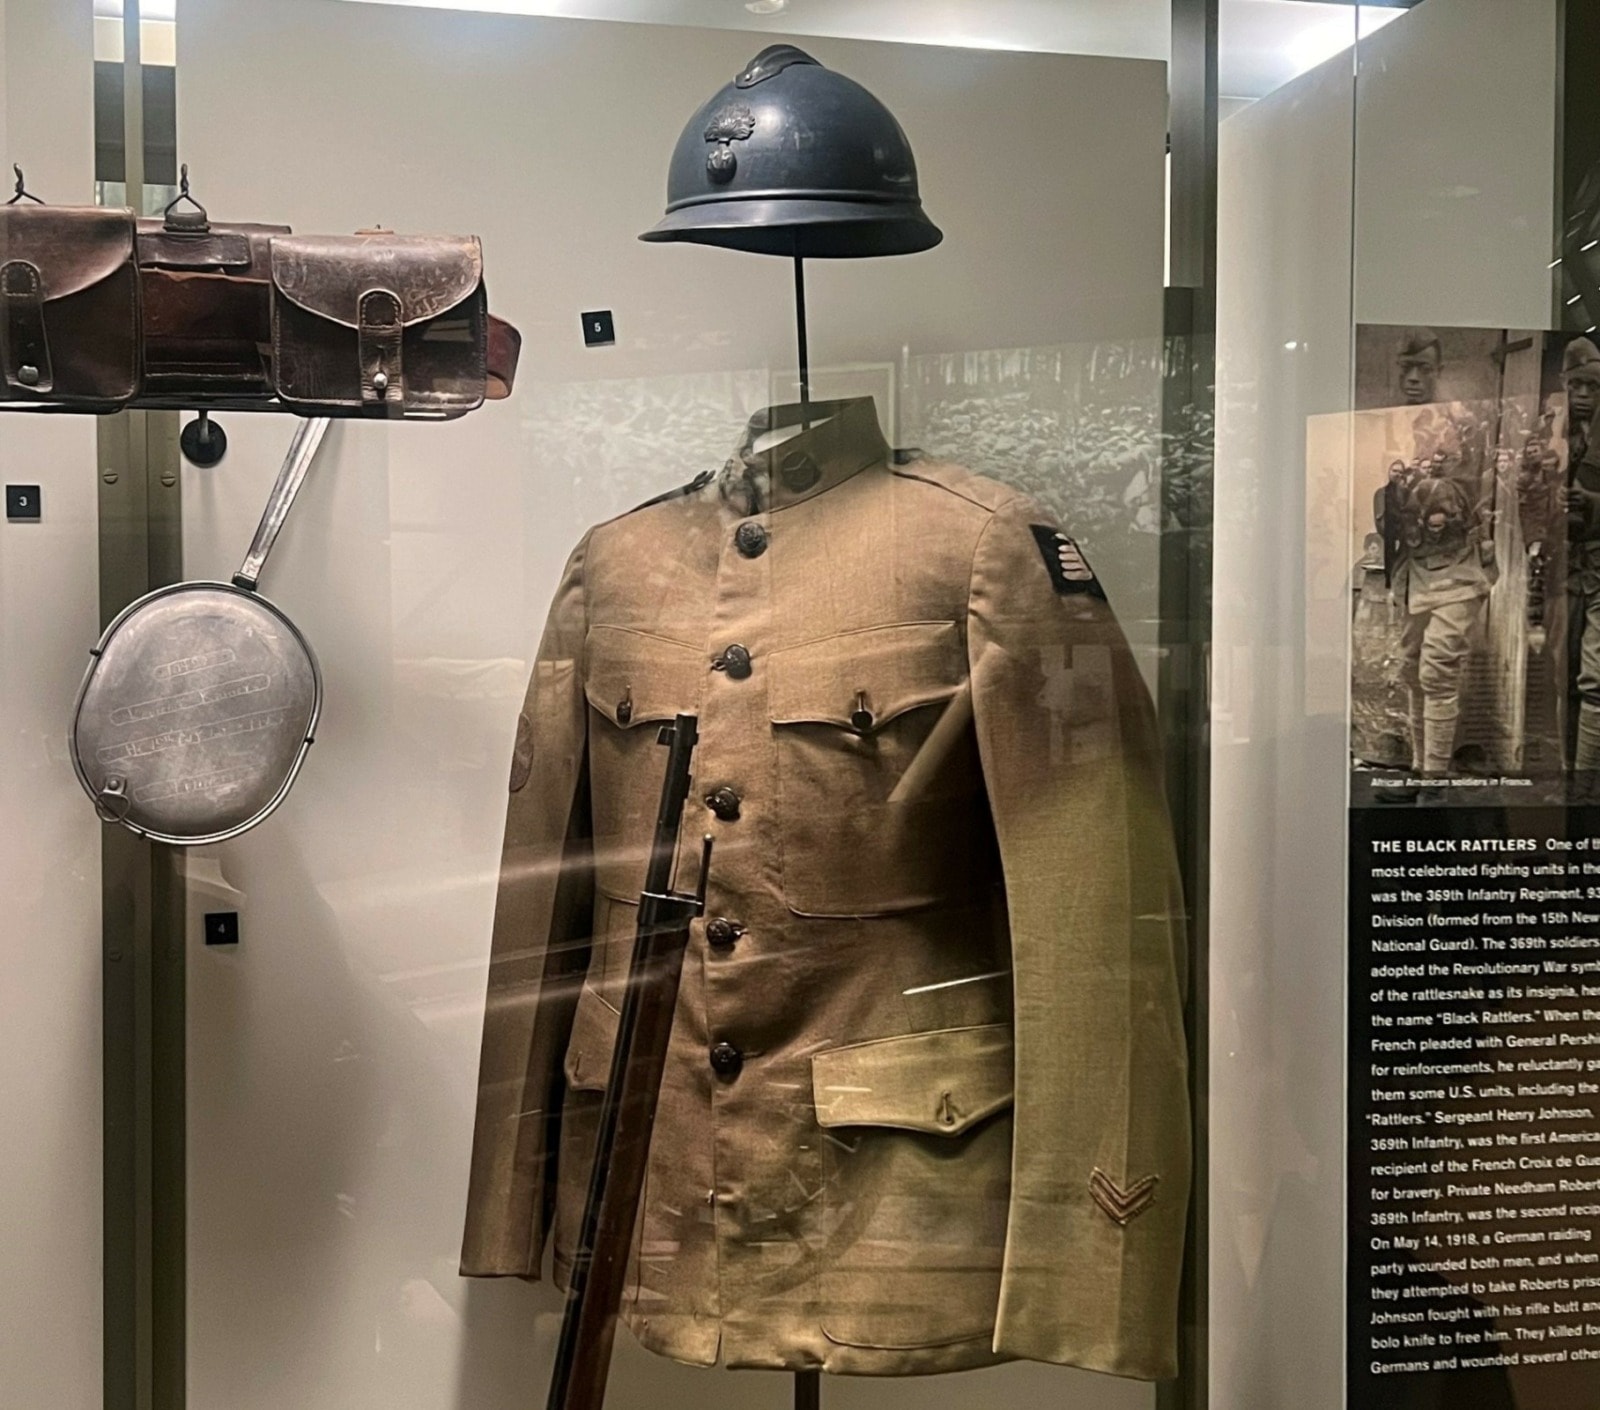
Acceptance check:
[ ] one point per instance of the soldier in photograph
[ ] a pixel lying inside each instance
(1445, 575)
(1419, 359)
(1580, 376)
(1390, 503)
(1538, 481)
(1389, 494)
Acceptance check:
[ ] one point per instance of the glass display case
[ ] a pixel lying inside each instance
(635, 774)
(447, 1021)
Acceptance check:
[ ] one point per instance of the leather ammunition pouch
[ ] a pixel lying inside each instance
(69, 307)
(207, 292)
(379, 325)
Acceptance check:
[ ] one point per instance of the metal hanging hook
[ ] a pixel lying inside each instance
(22, 193)
(197, 219)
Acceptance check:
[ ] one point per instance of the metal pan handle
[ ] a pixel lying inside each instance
(302, 451)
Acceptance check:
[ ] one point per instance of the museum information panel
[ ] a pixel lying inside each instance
(1475, 1100)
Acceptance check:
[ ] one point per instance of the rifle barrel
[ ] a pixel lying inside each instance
(628, 1108)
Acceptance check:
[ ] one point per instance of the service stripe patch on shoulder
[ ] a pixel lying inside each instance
(1069, 570)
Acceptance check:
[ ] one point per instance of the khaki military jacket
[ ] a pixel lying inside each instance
(925, 1104)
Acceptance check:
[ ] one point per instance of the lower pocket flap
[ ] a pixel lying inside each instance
(594, 1036)
(941, 1082)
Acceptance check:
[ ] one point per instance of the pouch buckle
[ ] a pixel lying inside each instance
(23, 341)
(380, 324)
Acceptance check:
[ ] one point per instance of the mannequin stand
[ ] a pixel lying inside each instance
(808, 1390)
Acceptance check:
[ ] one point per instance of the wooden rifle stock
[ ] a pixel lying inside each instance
(628, 1109)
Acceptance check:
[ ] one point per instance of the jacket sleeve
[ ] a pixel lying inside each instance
(538, 955)
(1101, 1150)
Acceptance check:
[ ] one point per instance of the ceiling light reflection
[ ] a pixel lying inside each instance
(1318, 43)
(148, 9)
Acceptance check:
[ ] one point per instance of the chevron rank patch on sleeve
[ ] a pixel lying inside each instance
(1069, 570)
(1123, 1206)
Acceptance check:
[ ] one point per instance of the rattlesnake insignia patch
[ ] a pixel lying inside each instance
(1069, 570)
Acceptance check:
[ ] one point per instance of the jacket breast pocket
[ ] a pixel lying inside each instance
(850, 715)
(634, 683)
(917, 1163)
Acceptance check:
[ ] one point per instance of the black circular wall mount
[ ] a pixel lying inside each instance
(204, 442)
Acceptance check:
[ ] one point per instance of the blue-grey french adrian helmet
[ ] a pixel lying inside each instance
(792, 158)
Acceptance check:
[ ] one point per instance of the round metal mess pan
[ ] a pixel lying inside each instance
(201, 699)
(197, 713)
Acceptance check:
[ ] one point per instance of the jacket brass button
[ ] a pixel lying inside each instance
(722, 933)
(750, 539)
(735, 660)
(726, 1060)
(862, 718)
(624, 711)
(724, 803)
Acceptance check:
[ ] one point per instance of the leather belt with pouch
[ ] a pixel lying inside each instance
(207, 309)
(69, 306)
(379, 324)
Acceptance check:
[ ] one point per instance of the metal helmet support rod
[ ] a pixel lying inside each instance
(804, 349)
(807, 1384)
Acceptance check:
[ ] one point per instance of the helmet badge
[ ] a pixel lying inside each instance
(731, 125)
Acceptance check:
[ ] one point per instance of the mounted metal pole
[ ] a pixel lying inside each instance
(1187, 470)
(142, 915)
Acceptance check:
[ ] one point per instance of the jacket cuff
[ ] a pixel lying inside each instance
(1029, 1331)
(474, 1265)
(1107, 1302)
(502, 1246)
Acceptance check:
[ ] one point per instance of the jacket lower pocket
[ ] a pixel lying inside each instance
(917, 1163)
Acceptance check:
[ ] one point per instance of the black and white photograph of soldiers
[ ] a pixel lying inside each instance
(1475, 565)
(1446, 593)
(1437, 647)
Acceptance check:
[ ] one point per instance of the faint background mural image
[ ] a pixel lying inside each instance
(613, 444)
(1077, 427)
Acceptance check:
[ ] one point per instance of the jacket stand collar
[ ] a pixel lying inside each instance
(844, 438)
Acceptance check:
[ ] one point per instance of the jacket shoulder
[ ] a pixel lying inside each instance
(989, 496)
(630, 518)
(1023, 530)
(700, 481)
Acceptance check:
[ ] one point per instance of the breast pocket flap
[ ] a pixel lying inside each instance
(862, 680)
(634, 679)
